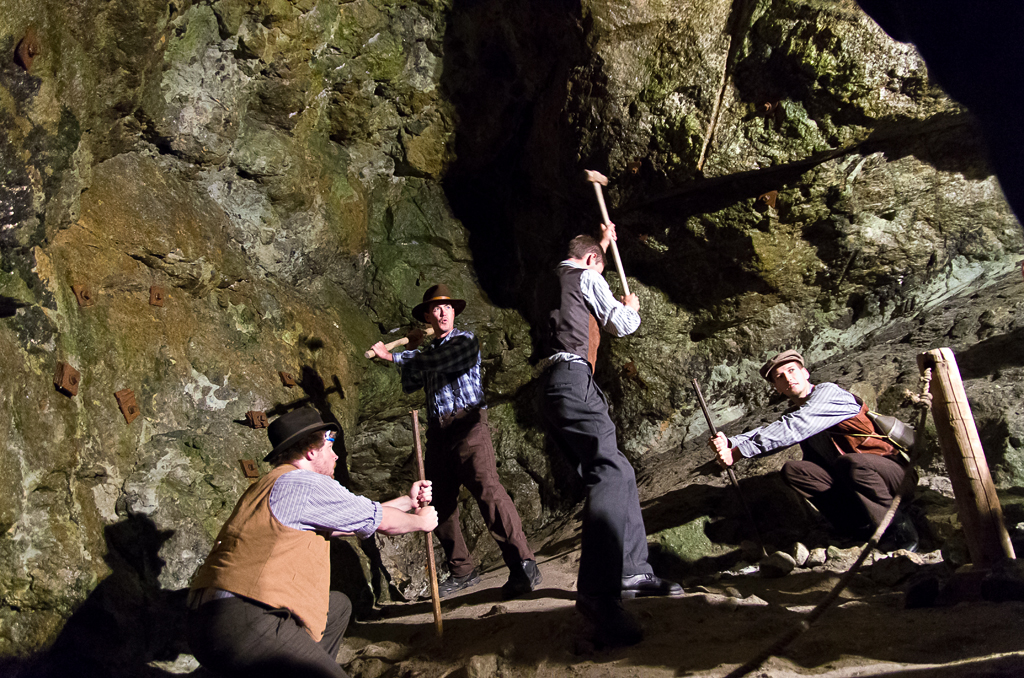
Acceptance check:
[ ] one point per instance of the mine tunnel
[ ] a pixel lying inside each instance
(212, 211)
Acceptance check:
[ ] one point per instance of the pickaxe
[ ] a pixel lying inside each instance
(599, 180)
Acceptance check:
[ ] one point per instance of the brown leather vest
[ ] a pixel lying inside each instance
(846, 439)
(257, 557)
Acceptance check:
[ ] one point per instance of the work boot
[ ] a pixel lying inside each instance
(612, 625)
(521, 580)
(649, 585)
(453, 583)
(900, 535)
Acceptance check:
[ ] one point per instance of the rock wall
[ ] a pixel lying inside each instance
(295, 173)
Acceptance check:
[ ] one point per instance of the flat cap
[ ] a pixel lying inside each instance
(780, 359)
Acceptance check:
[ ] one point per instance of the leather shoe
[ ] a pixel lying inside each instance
(649, 585)
(900, 535)
(453, 583)
(612, 625)
(522, 580)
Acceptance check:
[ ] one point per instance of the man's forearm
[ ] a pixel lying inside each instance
(403, 504)
(399, 522)
(458, 354)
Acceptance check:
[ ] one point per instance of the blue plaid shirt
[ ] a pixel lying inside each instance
(448, 370)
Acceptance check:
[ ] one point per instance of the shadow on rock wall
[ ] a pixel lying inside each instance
(505, 69)
(127, 622)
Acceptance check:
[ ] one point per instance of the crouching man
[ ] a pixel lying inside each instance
(261, 604)
(848, 472)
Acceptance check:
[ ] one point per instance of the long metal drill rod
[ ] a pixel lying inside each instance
(435, 595)
(728, 469)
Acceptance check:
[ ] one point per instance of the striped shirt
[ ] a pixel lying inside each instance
(305, 500)
(612, 315)
(807, 424)
(448, 370)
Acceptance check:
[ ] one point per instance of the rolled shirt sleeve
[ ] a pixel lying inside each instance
(304, 500)
(827, 406)
(612, 315)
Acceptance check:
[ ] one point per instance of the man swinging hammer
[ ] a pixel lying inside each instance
(459, 450)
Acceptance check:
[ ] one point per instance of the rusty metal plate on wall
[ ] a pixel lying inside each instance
(256, 419)
(27, 49)
(84, 295)
(249, 468)
(766, 200)
(126, 401)
(156, 296)
(287, 379)
(66, 379)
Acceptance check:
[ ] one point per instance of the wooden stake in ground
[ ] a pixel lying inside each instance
(598, 180)
(976, 499)
(435, 595)
(397, 342)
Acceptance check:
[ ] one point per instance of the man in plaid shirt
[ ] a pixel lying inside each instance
(459, 449)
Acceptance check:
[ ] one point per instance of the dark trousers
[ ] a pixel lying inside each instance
(614, 542)
(239, 637)
(854, 494)
(460, 453)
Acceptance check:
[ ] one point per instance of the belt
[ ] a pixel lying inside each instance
(569, 365)
(446, 420)
(199, 597)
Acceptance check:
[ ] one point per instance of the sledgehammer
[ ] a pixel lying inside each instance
(599, 180)
(398, 342)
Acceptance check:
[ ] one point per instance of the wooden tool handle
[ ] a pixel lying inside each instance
(397, 342)
(704, 408)
(435, 595)
(615, 248)
(728, 469)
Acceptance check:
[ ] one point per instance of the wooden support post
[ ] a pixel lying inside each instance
(977, 503)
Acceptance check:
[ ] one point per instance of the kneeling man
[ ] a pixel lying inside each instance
(848, 472)
(261, 604)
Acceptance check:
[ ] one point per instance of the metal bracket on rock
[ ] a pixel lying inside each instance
(27, 49)
(249, 468)
(156, 296)
(287, 379)
(256, 419)
(66, 379)
(84, 295)
(766, 200)
(126, 401)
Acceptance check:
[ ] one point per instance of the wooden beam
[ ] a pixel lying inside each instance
(977, 503)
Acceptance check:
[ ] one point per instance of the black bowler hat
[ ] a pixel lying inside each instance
(438, 294)
(287, 429)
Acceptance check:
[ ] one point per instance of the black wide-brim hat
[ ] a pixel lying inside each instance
(287, 429)
(437, 294)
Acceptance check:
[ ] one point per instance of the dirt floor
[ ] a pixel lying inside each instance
(717, 626)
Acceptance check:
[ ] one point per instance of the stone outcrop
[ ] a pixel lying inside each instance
(294, 173)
